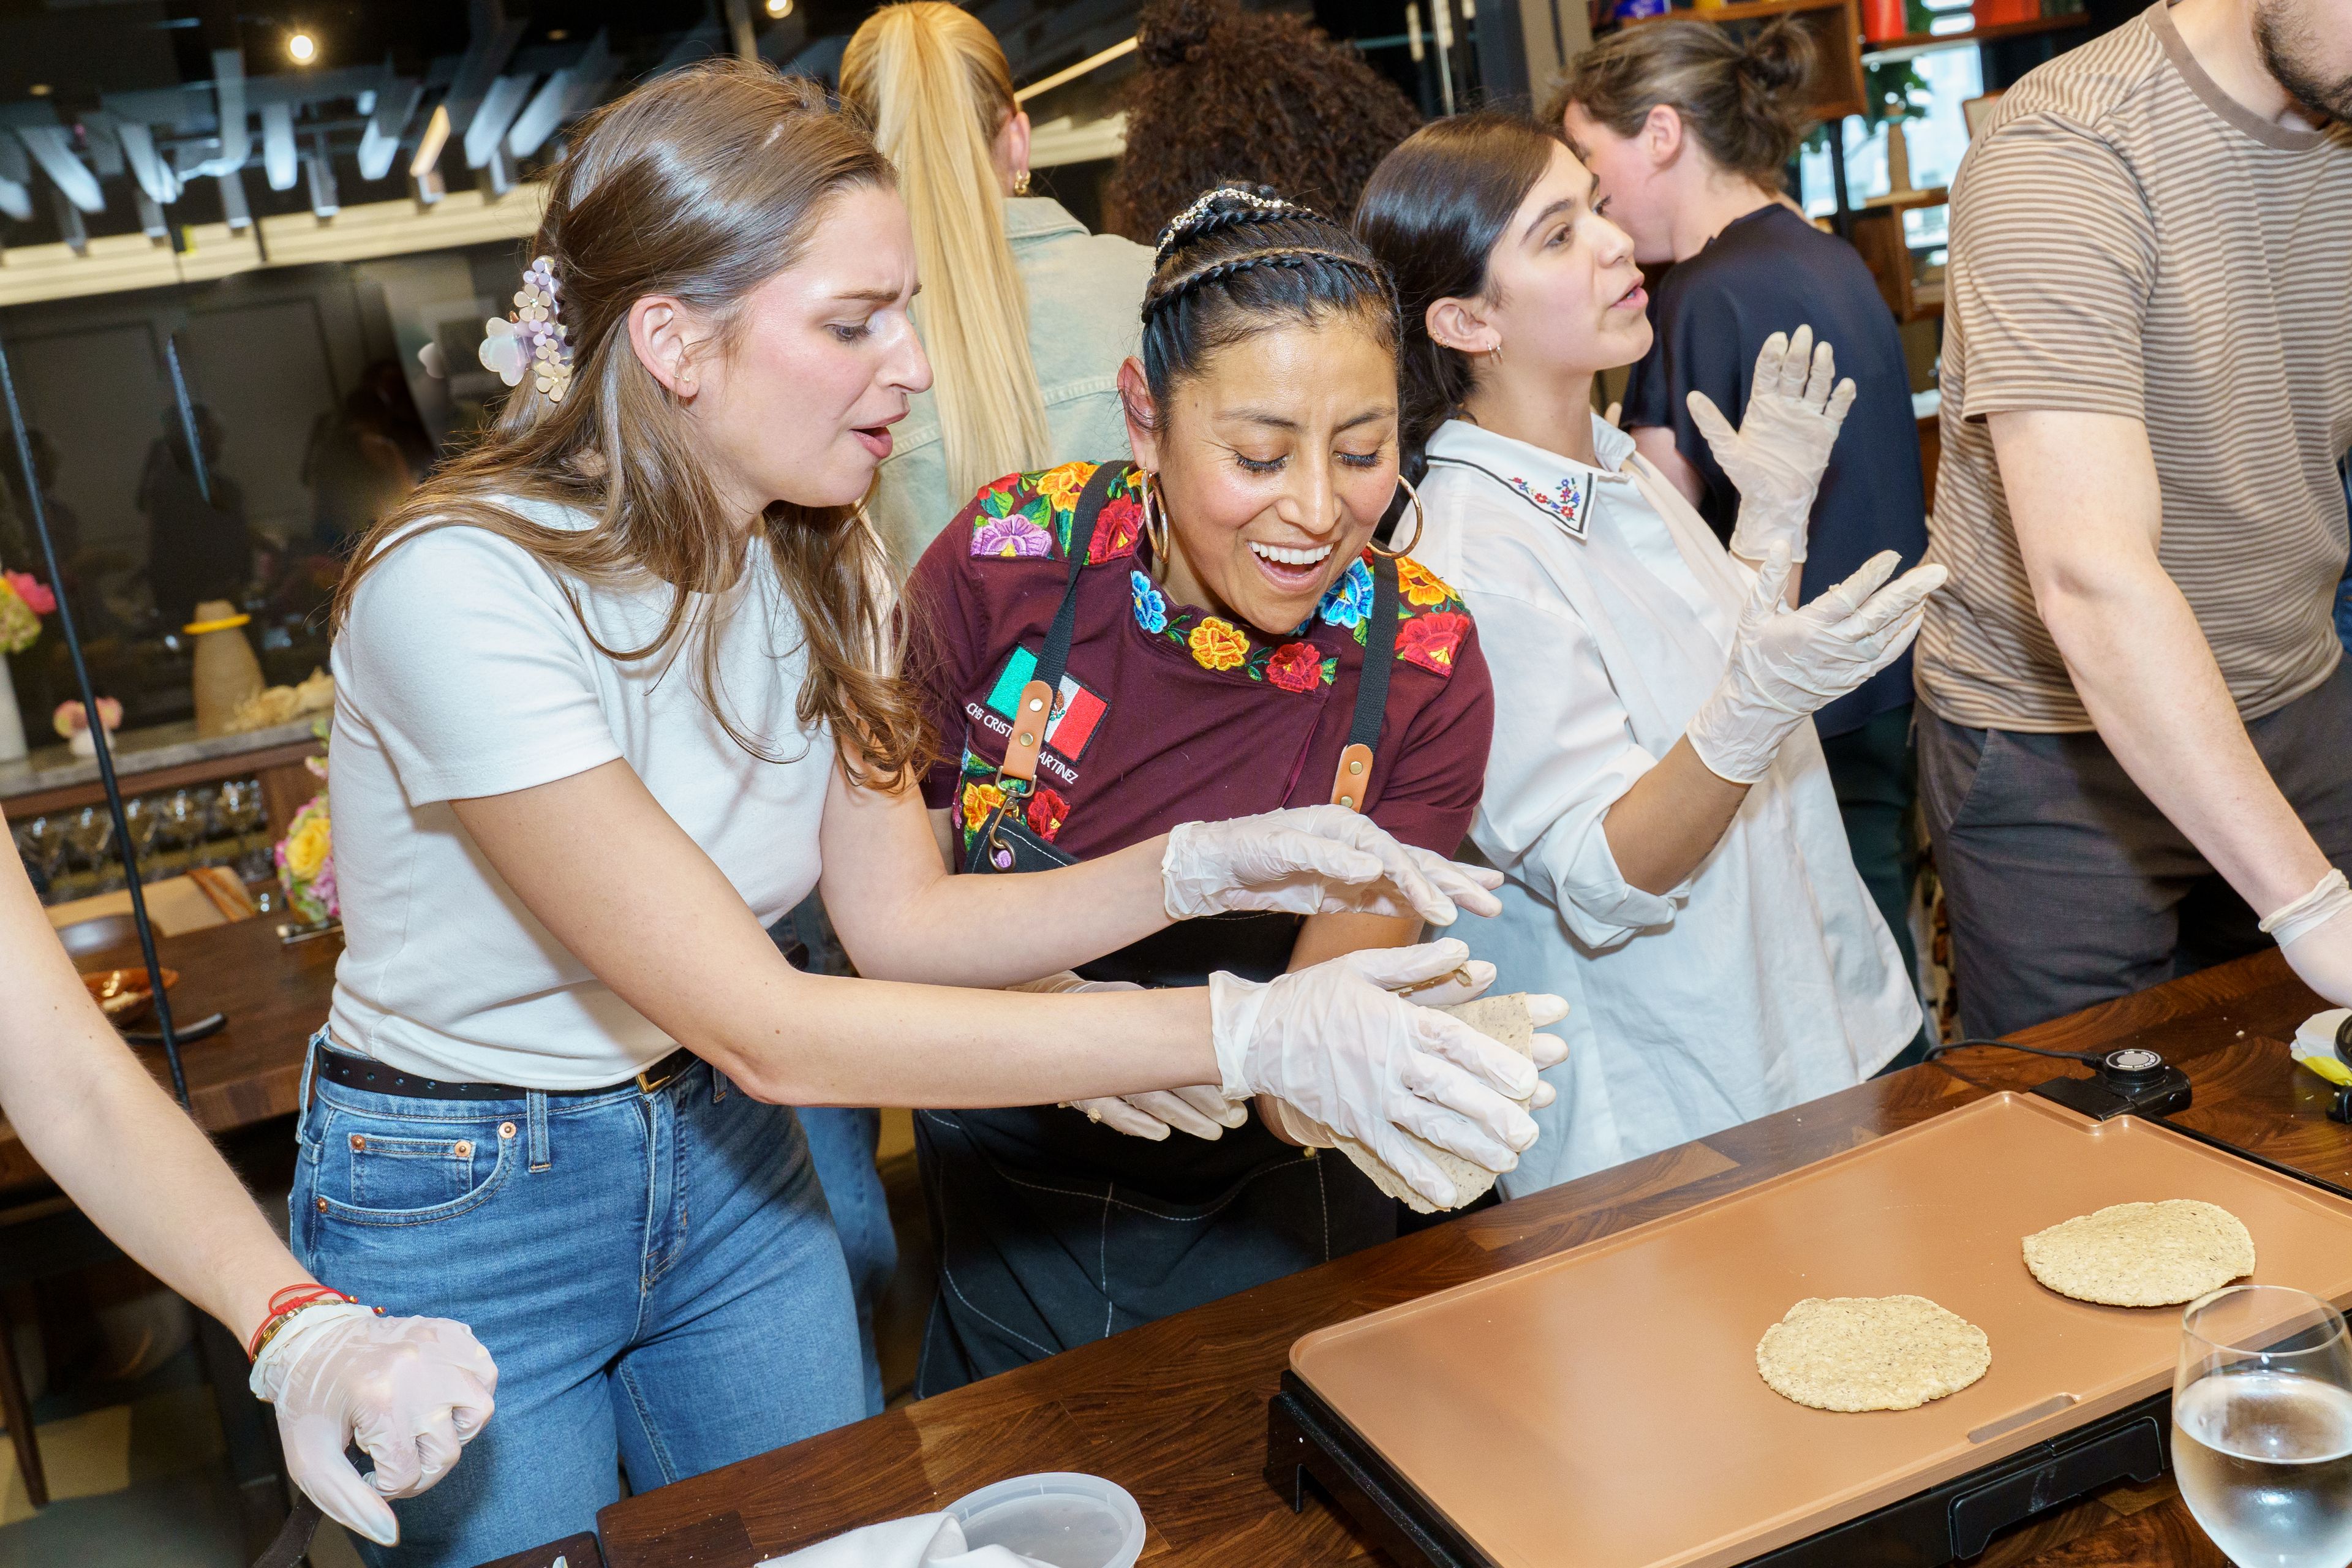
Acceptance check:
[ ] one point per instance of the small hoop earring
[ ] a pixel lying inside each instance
(1155, 520)
(1021, 183)
(1419, 520)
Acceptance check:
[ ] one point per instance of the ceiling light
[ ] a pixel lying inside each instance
(39, 89)
(302, 47)
(557, 34)
(780, 8)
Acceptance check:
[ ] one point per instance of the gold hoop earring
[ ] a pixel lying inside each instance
(1155, 520)
(1419, 520)
(1021, 183)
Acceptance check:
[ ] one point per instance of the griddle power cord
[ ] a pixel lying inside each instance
(294, 1536)
(2088, 1059)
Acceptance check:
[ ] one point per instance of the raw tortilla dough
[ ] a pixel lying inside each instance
(1871, 1352)
(1504, 1019)
(2142, 1254)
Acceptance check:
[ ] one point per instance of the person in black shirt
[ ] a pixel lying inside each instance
(1686, 131)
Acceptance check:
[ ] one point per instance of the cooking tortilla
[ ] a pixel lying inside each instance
(1503, 1018)
(1871, 1352)
(2142, 1254)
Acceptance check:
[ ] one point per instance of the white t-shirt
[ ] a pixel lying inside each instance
(464, 672)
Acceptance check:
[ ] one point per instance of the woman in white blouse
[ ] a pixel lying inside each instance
(1655, 795)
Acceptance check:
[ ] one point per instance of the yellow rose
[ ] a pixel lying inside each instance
(1215, 645)
(1063, 486)
(1419, 584)
(307, 847)
(979, 800)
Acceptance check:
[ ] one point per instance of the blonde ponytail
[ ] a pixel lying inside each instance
(934, 85)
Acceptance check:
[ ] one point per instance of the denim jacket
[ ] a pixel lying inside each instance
(1086, 299)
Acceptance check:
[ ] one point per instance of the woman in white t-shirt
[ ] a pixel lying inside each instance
(1655, 794)
(617, 689)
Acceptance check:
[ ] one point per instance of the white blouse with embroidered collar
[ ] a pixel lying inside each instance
(1606, 607)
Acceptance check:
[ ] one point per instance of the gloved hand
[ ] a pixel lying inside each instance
(2314, 933)
(1314, 860)
(1335, 1043)
(1796, 405)
(1202, 1111)
(410, 1392)
(1472, 980)
(1787, 665)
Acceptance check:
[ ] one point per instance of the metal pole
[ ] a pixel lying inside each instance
(97, 726)
(187, 417)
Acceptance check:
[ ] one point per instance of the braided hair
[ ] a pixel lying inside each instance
(1240, 260)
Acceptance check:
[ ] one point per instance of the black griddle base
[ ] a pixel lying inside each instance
(1306, 1438)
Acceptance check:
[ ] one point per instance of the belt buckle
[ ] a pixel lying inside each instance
(648, 1084)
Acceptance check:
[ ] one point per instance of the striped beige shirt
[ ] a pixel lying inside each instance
(2128, 239)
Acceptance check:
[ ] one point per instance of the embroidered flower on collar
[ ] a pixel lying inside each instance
(1419, 584)
(1565, 502)
(1151, 603)
(1430, 641)
(1350, 600)
(1117, 528)
(1215, 643)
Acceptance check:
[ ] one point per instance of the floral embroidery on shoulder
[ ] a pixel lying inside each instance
(1030, 516)
(1431, 619)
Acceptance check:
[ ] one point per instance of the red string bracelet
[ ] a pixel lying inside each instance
(284, 1305)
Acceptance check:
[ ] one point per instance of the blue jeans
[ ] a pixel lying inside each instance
(656, 1275)
(842, 1142)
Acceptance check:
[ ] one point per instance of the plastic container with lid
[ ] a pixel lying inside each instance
(1061, 1519)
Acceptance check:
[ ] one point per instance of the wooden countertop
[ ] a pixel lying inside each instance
(158, 748)
(275, 996)
(1176, 1411)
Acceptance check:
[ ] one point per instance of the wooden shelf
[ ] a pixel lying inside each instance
(1907, 199)
(1874, 50)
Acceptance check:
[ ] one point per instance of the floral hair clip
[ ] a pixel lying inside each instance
(530, 337)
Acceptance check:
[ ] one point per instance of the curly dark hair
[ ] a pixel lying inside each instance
(1260, 98)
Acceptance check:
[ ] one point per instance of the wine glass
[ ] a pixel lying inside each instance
(240, 811)
(91, 832)
(209, 849)
(2262, 1425)
(183, 823)
(142, 815)
(41, 845)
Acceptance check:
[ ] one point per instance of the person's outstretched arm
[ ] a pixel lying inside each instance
(2085, 500)
(418, 1389)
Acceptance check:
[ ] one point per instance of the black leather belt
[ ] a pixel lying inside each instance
(374, 1077)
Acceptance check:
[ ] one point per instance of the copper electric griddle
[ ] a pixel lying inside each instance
(1601, 1408)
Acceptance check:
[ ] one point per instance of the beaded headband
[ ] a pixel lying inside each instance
(1250, 261)
(1252, 208)
(530, 337)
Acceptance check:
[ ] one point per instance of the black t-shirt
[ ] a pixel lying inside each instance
(1770, 272)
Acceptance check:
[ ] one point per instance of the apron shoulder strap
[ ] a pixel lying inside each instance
(1354, 773)
(1035, 706)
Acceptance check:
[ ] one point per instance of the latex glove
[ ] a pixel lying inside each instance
(1289, 1123)
(1334, 1042)
(1787, 665)
(1796, 405)
(2314, 933)
(926, 1541)
(409, 1392)
(1314, 860)
(1202, 1111)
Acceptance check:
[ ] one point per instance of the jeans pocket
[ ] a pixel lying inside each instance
(376, 1170)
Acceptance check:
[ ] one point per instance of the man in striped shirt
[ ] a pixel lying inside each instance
(2138, 725)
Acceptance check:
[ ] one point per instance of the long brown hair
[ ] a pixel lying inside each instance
(1433, 213)
(701, 184)
(933, 83)
(1745, 102)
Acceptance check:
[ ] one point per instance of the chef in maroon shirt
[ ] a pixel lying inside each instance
(1219, 637)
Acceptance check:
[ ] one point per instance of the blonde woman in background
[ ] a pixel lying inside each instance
(1013, 391)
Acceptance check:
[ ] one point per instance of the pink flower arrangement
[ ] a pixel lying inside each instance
(72, 718)
(37, 599)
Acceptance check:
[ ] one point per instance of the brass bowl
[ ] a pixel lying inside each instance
(123, 995)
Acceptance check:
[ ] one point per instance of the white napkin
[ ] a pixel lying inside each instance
(926, 1541)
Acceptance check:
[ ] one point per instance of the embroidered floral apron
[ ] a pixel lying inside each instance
(1055, 1230)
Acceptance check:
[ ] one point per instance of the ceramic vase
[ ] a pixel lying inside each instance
(12, 724)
